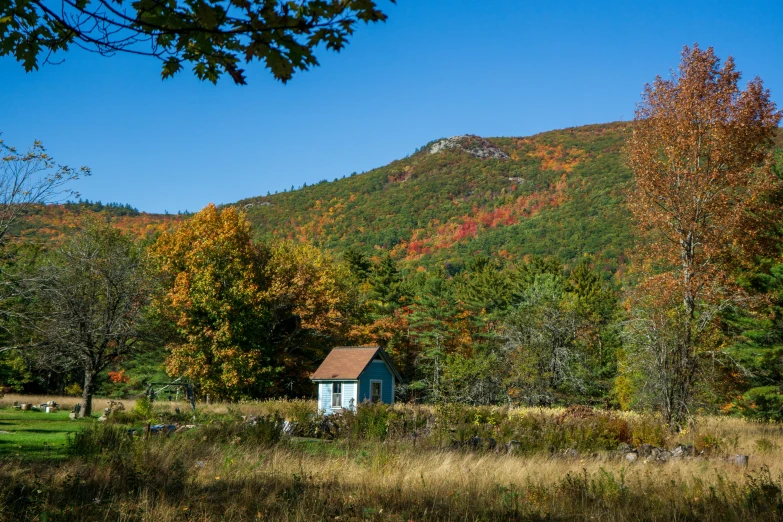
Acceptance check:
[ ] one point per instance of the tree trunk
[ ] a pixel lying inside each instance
(89, 384)
(683, 363)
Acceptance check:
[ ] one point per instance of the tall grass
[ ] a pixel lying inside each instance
(400, 463)
(167, 480)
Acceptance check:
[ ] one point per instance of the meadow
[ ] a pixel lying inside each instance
(244, 462)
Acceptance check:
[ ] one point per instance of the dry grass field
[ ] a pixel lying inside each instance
(225, 470)
(65, 402)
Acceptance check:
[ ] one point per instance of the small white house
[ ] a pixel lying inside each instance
(351, 375)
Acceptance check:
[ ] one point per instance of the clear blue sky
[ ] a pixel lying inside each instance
(436, 68)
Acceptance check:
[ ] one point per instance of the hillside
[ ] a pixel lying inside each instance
(51, 223)
(556, 193)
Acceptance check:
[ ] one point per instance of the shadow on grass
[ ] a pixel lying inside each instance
(277, 498)
(168, 492)
(48, 432)
(117, 487)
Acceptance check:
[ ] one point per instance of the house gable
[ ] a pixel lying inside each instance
(377, 370)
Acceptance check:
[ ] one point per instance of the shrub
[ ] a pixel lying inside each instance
(143, 408)
(708, 444)
(648, 429)
(98, 439)
(303, 416)
(260, 431)
(265, 431)
(369, 421)
(74, 389)
(586, 430)
(763, 495)
(764, 445)
(763, 403)
(576, 411)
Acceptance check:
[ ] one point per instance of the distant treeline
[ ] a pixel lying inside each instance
(117, 209)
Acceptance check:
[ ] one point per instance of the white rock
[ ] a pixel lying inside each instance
(473, 145)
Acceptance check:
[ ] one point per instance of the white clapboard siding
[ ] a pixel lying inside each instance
(349, 399)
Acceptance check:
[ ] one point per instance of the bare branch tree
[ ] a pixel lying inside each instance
(542, 343)
(655, 340)
(27, 179)
(91, 294)
(31, 178)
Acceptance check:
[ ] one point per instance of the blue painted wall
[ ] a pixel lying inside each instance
(377, 370)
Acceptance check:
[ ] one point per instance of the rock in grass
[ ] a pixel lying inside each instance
(631, 457)
(513, 445)
(683, 450)
(741, 460)
(571, 453)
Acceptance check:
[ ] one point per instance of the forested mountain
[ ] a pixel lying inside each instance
(557, 193)
(51, 223)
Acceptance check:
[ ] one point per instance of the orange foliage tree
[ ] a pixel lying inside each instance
(248, 316)
(310, 304)
(700, 153)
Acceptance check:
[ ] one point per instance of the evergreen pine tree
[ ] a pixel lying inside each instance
(387, 292)
(431, 325)
(358, 264)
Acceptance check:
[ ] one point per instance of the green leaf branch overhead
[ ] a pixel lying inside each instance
(215, 37)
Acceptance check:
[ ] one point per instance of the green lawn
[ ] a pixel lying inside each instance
(34, 434)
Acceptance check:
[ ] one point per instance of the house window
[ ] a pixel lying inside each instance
(337, 395)
(375, 391)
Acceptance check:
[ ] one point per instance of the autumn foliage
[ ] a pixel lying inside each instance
(559, 193)
(246, 313)
(214, 298)
(700, 152)
(52, 224)
(702, 200)
(492, 278)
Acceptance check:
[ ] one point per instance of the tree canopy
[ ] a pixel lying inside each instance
(251, 317)
(215, 37)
